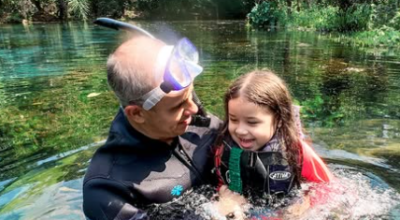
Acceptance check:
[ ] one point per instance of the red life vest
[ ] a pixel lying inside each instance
(314, 169)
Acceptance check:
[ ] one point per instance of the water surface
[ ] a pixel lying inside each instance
(56, 107)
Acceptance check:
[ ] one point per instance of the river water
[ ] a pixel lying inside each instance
(55, 108)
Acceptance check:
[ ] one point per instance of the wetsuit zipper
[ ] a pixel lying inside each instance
(183, 156)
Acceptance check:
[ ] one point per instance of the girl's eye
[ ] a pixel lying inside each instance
(252, 122)
(233, 120)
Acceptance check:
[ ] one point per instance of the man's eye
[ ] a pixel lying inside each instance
(175, 108)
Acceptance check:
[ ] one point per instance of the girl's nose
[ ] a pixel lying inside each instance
(241, 130)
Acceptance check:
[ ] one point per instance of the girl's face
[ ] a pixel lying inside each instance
(250, 125)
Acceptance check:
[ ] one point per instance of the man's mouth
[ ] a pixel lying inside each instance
(186, 121)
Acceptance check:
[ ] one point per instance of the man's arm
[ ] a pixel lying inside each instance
(105, 199)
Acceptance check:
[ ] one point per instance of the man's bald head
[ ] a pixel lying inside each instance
(131, 68)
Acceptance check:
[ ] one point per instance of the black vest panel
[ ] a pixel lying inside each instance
(268, 172)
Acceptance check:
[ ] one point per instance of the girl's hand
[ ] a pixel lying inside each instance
(298, 208)
(232, 205)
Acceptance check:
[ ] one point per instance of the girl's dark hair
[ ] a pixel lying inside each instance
(266, 89)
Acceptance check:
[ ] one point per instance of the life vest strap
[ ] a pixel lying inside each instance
(235, 183)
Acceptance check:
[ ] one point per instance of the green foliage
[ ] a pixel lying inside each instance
(80, 8)
(268, 14)
(311, 107)
(12, 11)
(182, 9)
(319, 18)
(322, 17)
(106, 8)
(384, 12)
(316, 108)
(361, 23)
(190, 9)
(355, 18)
(384, 36)
(395, 21)
(145, 6)
(350, 15)
(332, 18)
(249, 4)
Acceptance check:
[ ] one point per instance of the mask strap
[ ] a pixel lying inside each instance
(152, 98)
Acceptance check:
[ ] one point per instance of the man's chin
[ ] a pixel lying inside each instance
(181, 129)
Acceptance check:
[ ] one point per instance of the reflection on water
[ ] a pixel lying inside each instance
(54, 99)
(51, 190)
(61, 201)
(355, 195)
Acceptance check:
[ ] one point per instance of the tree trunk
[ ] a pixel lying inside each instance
(62, 9)
(289, 3)
(308, 4)
(37, 4)
(289, 8)
(298, 5)
(94, 8)
(344, 4)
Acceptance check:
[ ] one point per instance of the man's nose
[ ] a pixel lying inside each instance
(191, 108)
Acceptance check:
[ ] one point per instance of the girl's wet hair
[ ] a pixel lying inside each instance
(267, 90)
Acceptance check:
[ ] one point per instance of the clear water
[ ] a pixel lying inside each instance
(56, 109)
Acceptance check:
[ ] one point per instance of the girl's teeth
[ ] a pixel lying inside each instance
(246, 143)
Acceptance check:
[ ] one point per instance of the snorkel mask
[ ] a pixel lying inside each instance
(177, 65)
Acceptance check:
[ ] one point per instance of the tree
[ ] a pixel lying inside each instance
(62, 6)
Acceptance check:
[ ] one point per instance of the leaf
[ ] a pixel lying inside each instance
(93, 94)
(67, 189)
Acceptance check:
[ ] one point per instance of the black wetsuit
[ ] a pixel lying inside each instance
(132, 170)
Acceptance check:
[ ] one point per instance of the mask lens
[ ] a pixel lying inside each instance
(182, 67)
(190, 57)
(188, 51)
(178, 73)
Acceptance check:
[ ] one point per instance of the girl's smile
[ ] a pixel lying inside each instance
(246, 143)
(251, 126)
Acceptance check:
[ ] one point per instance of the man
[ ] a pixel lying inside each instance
(152, 153)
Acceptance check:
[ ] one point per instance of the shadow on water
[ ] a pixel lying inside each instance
(54, 99)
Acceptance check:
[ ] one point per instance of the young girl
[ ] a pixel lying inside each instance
(260, 151)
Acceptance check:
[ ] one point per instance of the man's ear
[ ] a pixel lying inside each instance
(135, 113)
